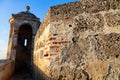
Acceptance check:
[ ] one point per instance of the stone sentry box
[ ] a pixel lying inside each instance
(23, 28)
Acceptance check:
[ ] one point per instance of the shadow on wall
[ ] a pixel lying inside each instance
(38, 74)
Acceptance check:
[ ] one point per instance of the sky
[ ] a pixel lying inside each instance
(8, 7)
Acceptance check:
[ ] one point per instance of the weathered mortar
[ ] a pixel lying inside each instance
(80, 41)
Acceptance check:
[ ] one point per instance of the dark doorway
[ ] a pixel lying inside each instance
(23, 63)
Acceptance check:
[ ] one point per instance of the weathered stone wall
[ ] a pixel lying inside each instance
(84, 6)
(80, 41)
(40, 49)
(6, 70)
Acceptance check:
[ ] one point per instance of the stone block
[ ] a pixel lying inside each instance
(113, 18)
(107, 46)
(88, 22)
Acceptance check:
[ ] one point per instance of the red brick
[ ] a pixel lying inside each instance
(51, 38)
(52, 54)
(54, 46)
(62, 42)
(65, 42)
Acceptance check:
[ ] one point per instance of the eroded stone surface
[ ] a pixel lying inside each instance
(108, 45)
(80, 41)
(90, 22)
(87, 6)
(113, 19)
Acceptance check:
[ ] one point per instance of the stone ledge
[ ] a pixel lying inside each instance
(88, 6)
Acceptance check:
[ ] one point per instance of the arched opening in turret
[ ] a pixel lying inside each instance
(23, 59)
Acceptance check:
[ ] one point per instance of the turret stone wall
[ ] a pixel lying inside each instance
(79, 41)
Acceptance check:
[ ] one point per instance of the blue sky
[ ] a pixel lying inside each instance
(7, 7)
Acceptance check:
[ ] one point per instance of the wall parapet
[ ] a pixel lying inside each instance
(6, 69)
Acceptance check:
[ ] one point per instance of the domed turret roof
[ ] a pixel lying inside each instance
(26, 13)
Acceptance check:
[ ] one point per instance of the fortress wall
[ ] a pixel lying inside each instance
(6, 70)
(40, 48)
(82, 46)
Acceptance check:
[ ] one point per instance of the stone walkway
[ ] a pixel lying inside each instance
(23, 75)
